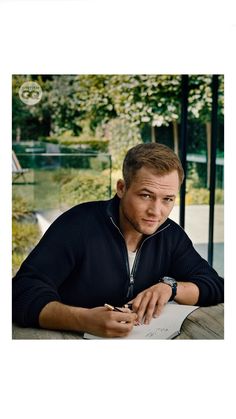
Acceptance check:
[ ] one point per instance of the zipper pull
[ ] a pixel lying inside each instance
(130, 292)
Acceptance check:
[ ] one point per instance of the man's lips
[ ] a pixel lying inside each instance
(150, 221)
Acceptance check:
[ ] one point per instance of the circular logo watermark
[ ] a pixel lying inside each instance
(30, 93)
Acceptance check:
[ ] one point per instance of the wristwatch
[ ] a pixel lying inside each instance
(172, 283)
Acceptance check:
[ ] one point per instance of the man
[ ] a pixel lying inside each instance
(125, 250)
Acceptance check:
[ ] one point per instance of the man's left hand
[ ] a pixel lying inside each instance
(150, 302)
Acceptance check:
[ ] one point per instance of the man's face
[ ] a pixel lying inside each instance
(147, 203)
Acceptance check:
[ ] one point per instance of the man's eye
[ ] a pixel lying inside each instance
(168, 199)
(145, 196)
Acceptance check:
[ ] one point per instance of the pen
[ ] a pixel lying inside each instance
(112, 308)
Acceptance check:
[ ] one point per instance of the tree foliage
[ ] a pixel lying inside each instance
(200, 97)
(74, 102)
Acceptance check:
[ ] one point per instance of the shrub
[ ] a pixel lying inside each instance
(197, 196)
(25, 236)
(201, 196)
(85, 186)
(219, 196)
(25, 231)
(85, 143)
(21, 209)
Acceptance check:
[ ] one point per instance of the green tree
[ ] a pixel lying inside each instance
(200, 106)
(76, 102)
(136, 99)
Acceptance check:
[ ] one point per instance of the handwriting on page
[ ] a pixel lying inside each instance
(156, 332)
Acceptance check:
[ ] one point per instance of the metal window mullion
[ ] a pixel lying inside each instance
(214, 123)
(183, 145)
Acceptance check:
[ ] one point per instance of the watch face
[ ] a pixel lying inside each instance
(168, 280)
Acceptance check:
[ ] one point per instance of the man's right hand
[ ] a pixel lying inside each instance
(102, 322)
(98, 321)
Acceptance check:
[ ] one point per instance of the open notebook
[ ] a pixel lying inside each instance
(167, 326)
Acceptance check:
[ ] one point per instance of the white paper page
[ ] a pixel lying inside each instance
(166, 326)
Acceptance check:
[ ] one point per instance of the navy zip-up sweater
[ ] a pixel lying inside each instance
(82, 261)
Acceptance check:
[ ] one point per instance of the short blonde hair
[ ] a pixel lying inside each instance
(153, 155)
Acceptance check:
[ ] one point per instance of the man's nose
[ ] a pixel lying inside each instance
(154, 208)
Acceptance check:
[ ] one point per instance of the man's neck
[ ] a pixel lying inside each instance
(132, 238)
(132, 245)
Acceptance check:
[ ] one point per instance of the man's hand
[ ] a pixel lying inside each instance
(102, 322)
(150, 302)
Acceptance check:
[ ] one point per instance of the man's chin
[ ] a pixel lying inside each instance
(149, 230)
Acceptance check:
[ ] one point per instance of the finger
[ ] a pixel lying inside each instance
(126, 316)
(126, 309)
(119, 329)
(129, 309)
(150, 309)
(159, 306)
(125, 329)
(143, 305)
(136, 301)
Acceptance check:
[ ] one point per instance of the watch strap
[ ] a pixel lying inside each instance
(172, 283)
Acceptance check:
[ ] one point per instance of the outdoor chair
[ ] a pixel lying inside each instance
(17, 170)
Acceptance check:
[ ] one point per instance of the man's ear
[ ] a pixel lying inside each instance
(120, 188)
